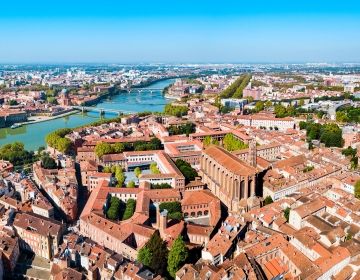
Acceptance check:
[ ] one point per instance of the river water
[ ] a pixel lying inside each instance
(33, 135)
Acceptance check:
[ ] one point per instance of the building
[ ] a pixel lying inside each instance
(169, 173)
(189, 151)
(267, 121)
(9, 250)
(61, 187)
(38, 234)
(229, 178)
(10, 117)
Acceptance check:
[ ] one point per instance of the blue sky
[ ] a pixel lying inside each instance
(179, 31)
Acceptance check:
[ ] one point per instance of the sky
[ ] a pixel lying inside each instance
(197, 31)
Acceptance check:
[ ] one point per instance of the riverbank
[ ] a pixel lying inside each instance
(39, 119)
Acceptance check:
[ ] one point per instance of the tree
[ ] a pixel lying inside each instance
(16, 154)
(119, 175)
(259, 106)
(177, 256)
(232, 144)
(129, 209)
(160, 186)
(287, 213)
(302, 125)
(331, 135)
(156, 143)
(154, 169)
(48, 162)
(280, 111)
(235, 89)
(173, 208)
(268, 200)
(154, 254)
(137, 172)
(268, 104)
(357, 189)
(130, 184)
(349, 151)
(58, 141)
(207, 141)
(145, 256)
(114, 209)
(341, 116)
(107, 169)
(118, 148)
(348, 237)
(13, 102)
(185, 168)
(103, 149)
(175, 110)
(182, 129)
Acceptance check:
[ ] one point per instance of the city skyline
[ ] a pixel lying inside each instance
(183, 32)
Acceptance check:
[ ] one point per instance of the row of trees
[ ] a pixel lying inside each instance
(330, 134)
(231, 143)
(58, 141)
(175, 110)
(118, 172)
(118, 210)
(160, 186)
(208, 140)
(235, 90)
(104, 148)
(189, 173)
(182, 129)
(153, 144)
(156, 256)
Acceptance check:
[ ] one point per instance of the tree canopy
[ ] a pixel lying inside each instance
(48, 162)
(235, 90)
(58, 141)
(357, 189)
(330, 133)
(16, 154)
(185, 168)
(154, 254)
(231, 143)
(177, 256)
(182, 129)
(175, 110)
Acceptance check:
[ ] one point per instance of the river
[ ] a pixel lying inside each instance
(33, 135)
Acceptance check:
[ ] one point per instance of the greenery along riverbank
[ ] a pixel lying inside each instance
(235, 90)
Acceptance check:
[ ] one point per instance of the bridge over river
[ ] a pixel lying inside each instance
(140, 90)
(101, 111)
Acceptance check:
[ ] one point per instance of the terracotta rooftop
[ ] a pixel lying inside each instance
(230, 161)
